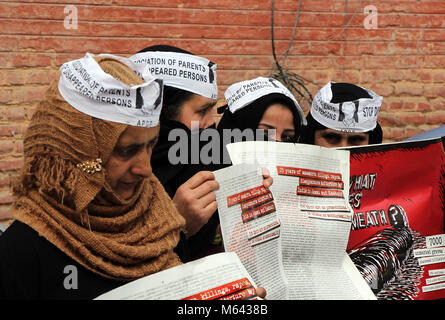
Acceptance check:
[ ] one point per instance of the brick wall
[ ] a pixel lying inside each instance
(403, 59)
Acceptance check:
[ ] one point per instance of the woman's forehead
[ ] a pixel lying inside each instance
(344, 134)
(278, 114)
(137, 135)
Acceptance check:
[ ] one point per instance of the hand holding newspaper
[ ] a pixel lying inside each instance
(291, 237)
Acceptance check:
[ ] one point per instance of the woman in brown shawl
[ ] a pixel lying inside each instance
(89, 215)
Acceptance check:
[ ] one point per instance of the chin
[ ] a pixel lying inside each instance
(125, 195)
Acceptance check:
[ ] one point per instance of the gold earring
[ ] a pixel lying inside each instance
(91, 166)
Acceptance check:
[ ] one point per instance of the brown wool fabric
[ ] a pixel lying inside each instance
(78, 211)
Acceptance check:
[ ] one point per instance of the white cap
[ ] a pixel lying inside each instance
(86, 87)
(181, 70)
(243, 93)
(351, 116)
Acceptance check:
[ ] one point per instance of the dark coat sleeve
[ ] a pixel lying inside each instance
(19, 265)
(172, 176)
(32, 268)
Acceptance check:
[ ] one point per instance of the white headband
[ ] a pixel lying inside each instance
(86, 87)
(180, 70)
(243, 93)
(351, 116)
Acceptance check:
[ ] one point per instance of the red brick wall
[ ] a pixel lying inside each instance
(403, 59)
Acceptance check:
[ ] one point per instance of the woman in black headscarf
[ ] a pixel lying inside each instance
(182, 105)
(334, 132)
(261, 103)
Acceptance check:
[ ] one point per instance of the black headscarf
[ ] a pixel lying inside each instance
(250, 116)
(341, 92)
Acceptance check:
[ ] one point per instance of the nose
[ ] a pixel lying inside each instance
(272, 135)
(343, 143)
(142, 164)
(278, 135)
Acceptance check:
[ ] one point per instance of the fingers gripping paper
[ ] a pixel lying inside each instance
(86, 87)
(180, 70)
(350, 116)
(243, 93)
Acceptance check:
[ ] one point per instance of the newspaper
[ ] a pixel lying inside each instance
(217, 277)
(291, 237)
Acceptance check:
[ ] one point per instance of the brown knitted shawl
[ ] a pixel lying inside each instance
(78, 211)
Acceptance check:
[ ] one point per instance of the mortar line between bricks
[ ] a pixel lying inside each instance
(350, 28)
(85, 37)
(54, 4)
(268, 10)
(243, 10)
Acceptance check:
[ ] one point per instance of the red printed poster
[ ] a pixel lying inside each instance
(397, 195)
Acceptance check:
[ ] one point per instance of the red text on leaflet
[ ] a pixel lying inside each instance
(321, 183)
(221, 291)
(308, 173)
(256, 201)
(315, 192)
(250, 292)
(258, 212)
(246, 195)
